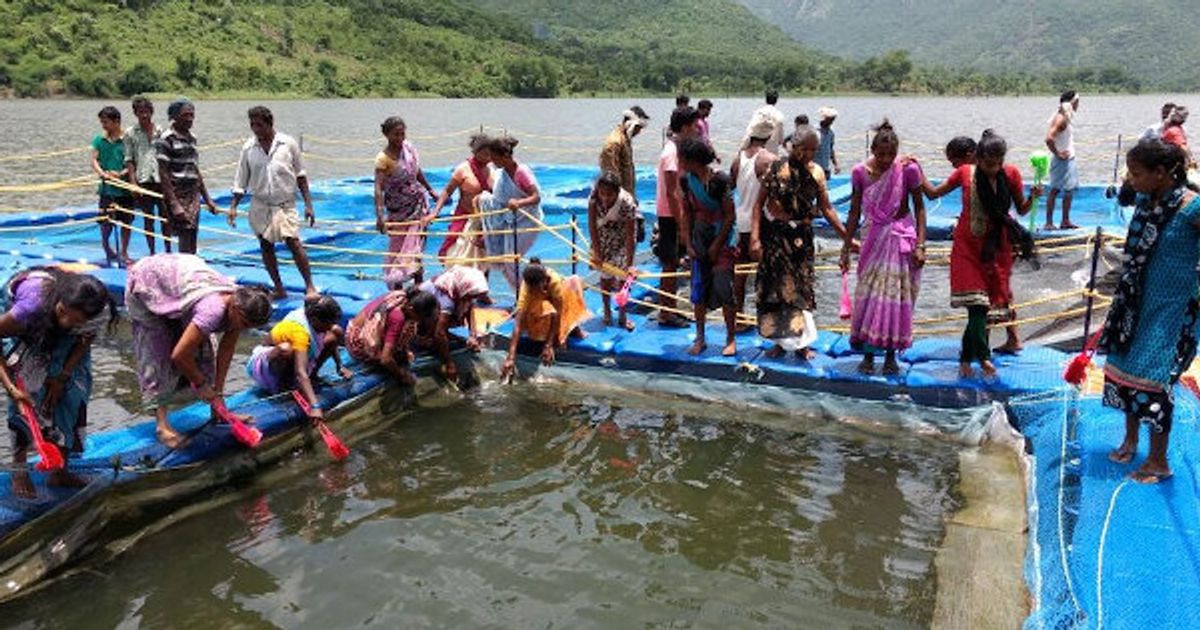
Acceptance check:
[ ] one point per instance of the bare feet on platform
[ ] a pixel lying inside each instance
(775, 352)
(987, 368)
(1123, 454)
(867, 366)
(965, 370)
(22, 485)
(65, 479)
(169, 437)
(1150, 472)
(890, 368)
(730, 348)
(697, 348)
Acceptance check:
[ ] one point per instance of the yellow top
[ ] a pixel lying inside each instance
(292, 332)
(531, 303)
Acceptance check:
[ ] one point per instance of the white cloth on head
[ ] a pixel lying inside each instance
(826, 112)
(1064, 140)
(764, 115)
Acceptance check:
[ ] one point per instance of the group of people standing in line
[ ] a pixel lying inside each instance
(761, 211)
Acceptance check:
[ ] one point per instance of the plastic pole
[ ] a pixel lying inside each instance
(516, 256)
(574, 252)
(1087, 316)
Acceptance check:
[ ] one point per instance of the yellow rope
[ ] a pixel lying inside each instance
(51, 226)
(65, 184)
(47, 154)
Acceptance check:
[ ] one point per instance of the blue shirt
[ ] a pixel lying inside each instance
(824, 153)
(1170, 279)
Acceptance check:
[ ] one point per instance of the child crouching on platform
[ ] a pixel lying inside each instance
(297, 347)
(549, 309)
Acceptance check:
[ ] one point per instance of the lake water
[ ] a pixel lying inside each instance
(543, 505)
(343, 136)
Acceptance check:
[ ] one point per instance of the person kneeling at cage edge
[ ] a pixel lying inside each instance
(176, 304)
(549, 309)
(53, 316)
(384, 332)
(296, 349)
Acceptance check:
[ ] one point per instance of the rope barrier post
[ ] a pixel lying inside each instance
(1116, 207)
(1091, 285)
(301, 140)
(574, 255)
(516, 256)
(866, 144)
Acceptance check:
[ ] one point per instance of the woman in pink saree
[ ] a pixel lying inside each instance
(892, 254)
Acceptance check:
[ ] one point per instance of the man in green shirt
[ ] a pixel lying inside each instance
(108, 162)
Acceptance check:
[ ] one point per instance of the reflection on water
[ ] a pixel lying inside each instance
(538, 506)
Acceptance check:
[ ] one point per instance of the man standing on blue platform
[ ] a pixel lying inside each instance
(271, 169)
(1064, 174)
(825, 157)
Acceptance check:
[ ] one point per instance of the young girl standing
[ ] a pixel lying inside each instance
(1150, 332)
(612, 221)
(892, 254)
(707, 226)
(981, 256)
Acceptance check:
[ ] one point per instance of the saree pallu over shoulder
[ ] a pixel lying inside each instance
(169, 285)
(886, 290)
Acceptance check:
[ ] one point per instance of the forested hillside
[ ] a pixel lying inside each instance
(472, 48)
(1136, 43)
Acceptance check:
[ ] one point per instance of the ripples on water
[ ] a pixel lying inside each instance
(541, 506)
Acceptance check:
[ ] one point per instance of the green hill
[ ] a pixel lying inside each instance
(667, 45)
(334, 48)
(472, 48)
(1069, 40)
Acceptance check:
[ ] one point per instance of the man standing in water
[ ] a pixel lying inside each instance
(669, 207)
(769, 113)
(617, 155)
(1064, 174)
(271, 169)
(179, 172)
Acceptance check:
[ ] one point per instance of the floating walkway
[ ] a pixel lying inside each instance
(1102, 552)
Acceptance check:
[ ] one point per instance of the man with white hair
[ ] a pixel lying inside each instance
(825, 157)
(617, 155)
(1064, 174)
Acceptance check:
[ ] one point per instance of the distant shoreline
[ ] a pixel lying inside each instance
(290, 96)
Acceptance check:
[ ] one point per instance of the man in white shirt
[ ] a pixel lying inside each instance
(768, 113)
(271, 170)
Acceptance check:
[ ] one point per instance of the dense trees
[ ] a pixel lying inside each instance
(530, 48)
